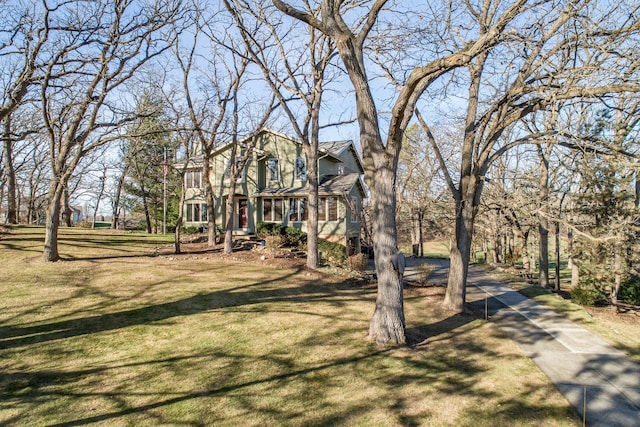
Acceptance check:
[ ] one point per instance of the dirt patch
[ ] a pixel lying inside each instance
(628, 314)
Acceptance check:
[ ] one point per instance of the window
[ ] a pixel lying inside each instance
(340, 169)
(332, 208)
(273, 169)
(328, 209)
(227, 171)
(355, 212)
(272, 210)
(297, 209)
(196, 212)
(193, 179)
(301, 169)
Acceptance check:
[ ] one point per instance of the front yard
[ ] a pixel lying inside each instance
(124, 333)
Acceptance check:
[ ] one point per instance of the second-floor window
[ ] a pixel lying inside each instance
(355, 212)
(227, 172)
(193, 179)
(301, 169)
(273, 169)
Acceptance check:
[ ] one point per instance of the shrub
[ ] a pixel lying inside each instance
(588, 295)
(191, 230)
(630, 292)
(264, 229)
(295, 236)
(358, 262)
(274, 242)
(333, 253)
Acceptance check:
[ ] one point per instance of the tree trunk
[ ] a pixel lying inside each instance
(50, 253)
(103, 179)
(456, 294)
(208, 191)
(570, 248)
(145, 206)
(12, 208)
(557, 287)
(497, 248)
(115, 207)
(575, 274)
(532, 258)
(526, 265)
(543, 224)
(388, 322)
(420, 232)
(618, 274)
(176, 242)
(228, 228)
(67, 212)
(312, 220)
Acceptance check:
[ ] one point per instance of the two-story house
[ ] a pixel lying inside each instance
(273, 188)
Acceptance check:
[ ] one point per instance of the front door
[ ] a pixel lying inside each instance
(243, 213)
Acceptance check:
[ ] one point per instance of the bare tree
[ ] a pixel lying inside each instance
(380, 158)
(100, 46)
(544, 69)
(296, 80)
(24, 32)
(208, 111)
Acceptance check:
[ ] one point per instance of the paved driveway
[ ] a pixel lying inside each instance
(581, 364)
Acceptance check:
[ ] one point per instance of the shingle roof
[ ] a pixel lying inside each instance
(334, 147)
(330, 185)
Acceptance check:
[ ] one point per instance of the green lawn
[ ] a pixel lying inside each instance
(116, 336)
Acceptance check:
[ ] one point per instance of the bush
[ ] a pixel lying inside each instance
(630, 292)
(274, 242)
(358, 262)
(333, 253)
(589, 296)
(295, 237)
(191, 230)
(264, 229)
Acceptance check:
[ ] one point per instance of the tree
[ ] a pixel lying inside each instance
(297, 80)
(208, 112)
(100, 46)
(551, 57)
(380, 158)
(418, 189)
(24, 33)
(146, 159)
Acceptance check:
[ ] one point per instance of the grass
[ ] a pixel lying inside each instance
(431, 249)
(115, 336)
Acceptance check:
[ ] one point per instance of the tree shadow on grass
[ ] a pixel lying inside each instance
(461, 375)
(14, 336)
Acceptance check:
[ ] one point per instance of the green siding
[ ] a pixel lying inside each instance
(256, 179)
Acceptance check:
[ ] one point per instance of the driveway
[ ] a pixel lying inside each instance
(589, 372)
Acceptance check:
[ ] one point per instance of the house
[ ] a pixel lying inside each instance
(273, 188)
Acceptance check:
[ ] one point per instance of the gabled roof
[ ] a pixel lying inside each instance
(244, 140)
(193, 163)
(337, 148)
(333, 148)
